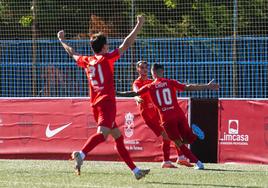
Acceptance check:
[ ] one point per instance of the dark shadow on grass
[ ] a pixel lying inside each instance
(222, 170)
(198, 185)
(225, 170)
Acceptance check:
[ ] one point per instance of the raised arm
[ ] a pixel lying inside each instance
(67, 48)
(130, 39)
(198, 87)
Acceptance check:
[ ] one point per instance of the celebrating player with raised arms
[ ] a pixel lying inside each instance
(100, 73)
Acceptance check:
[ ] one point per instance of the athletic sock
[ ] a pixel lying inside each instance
(82, 155)
(166, 149)
(135, 170)
(92, 142)
(124, 153)
(188, 154)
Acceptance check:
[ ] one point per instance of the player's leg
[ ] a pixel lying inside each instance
(120, 146)
(186, 132)
(95, 139)
(91, 143)
(181, 159)
(188, 153)
(174, 134)
(154, 123)
(188, 137)
(166, 151)
(103, 117)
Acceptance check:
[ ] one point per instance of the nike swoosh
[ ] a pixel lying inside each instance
(50, 133)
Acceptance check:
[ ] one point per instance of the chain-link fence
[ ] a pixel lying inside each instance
(195, 40)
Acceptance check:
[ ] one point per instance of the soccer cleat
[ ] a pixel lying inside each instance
(198, 132)
(167, 164)
(141, 173)
(184, 163)
(78, 161)
(199, 166)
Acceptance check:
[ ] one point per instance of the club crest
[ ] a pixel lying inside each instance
(129, 124)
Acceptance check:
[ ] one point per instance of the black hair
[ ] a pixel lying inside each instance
(157, 66)
(97, 41)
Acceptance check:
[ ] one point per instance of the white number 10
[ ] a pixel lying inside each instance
(166, 96)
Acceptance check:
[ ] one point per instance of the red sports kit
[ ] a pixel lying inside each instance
(163, 95)
(100, 74)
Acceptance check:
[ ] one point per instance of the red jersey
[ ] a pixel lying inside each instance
(100, 74)
(147, 101)
(163, 95)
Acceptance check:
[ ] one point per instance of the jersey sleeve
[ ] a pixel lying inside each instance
(82, 61)
(113, 56)
(179, 86)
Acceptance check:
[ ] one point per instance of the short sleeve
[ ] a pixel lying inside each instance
(82, 61)
(179, 86)
(113, 56)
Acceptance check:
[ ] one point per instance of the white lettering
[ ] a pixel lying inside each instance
(235, 139)
(131, 142)
(167, 108)
(160, 85)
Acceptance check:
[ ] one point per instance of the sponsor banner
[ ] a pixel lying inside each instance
(51, 128)
(243, 131)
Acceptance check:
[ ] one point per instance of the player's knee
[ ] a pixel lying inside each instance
(116, 133)
(104, 131)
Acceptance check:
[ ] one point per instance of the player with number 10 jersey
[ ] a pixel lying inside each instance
(163, 94)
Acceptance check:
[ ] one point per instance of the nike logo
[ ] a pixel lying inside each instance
(50, 133)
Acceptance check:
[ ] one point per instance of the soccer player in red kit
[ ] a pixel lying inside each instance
(151, 117)
(163, 95)
(100, 73)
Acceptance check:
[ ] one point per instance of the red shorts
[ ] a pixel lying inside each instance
(178, 128)
(104, 113)
(152, 121)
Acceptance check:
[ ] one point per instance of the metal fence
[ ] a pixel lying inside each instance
(240, 68)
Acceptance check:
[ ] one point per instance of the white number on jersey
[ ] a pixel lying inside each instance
(166, 96)
(92, 75)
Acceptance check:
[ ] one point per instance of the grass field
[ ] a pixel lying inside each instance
(43, 173)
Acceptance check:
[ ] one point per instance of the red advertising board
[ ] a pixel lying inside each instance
(243, 131)
(51, 128)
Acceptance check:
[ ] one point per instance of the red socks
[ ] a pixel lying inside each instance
(179, 152)
(187, 153)
(92, 142)
(98, 138)
(166, 149)
(124, 153)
